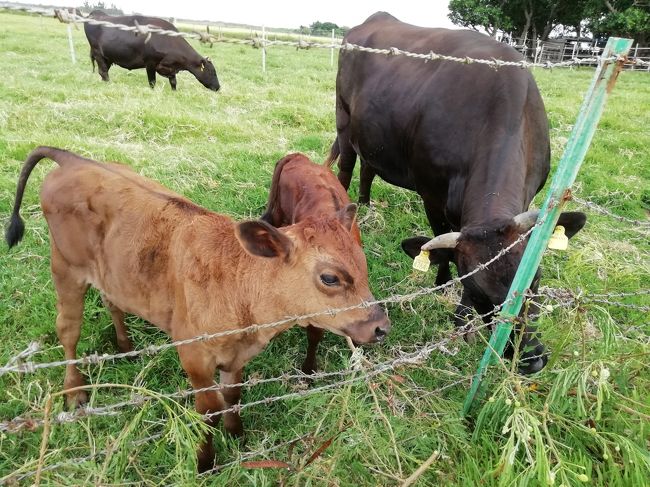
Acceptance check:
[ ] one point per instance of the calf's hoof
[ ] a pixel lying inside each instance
(205, 463)
(76, 399)
(233, 426)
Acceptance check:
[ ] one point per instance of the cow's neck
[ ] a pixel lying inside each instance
(494, 191)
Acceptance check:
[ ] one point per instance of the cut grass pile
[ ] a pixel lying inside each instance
(583, 419)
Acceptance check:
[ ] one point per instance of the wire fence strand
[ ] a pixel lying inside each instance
(148, 30)
(27, 367)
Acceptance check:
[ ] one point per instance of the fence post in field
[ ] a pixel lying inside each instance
(332, 51)
(71, 43)
(558, 194)
(263, 49)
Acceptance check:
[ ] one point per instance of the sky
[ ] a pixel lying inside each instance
(282, 13)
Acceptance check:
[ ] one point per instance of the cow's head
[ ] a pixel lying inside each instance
(473, 246)
(204, 71)
(317, 266)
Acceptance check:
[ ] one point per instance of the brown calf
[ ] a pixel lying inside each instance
(189, 271)
(302, 189)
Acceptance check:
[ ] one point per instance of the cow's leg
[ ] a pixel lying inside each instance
(533, 355)
(172, 82)
(314, 336)
(102, 67)
(232, 395)
(70, 292)
(347, 158)
(151, 75)
(365, 182)
(462, 315)
(439, 226)
(123, 342)
(200, 369)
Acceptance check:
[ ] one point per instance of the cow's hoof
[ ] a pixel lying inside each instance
(527, 367)
(470, 337)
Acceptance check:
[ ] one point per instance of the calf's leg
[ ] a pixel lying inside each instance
(200, 369)
(70, 291)
(232, 395)
(123, 342)
(314, 336)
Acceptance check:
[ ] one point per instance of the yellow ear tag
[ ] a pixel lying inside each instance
(421, 261)
(558, 240)
(202, 67)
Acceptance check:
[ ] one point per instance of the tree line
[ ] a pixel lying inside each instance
(532, 19)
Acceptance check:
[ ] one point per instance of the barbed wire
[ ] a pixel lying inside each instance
(605, 211)
(21, 423)
(147, 30)
(568, 296)
(31, 367)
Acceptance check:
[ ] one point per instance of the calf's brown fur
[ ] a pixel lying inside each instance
(302, 189)
(190, 271)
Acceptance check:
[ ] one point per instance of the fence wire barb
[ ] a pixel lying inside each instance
(67, 17)
(568, 296)
(21, 423)
(95, 358)
(605, 211)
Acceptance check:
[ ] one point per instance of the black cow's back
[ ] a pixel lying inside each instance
(440, 127)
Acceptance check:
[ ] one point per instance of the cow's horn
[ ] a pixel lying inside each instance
(445, 241)
(526, 219)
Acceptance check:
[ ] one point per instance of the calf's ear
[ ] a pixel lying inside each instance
(572, 221)
(348, 215)
(412, 246)
(261, 239)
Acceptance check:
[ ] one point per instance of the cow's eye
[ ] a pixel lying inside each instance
(329, 279)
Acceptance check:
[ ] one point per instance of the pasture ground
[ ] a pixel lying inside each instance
(220, 150)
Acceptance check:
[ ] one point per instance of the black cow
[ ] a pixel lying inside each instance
(159, 54)
(472, 140)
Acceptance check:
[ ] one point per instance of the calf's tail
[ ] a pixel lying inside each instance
(16, 228)
(92, 60)
(335, 152)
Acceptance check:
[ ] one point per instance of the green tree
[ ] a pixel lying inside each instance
(622, 18)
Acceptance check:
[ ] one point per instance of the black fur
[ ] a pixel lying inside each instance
(15, 230)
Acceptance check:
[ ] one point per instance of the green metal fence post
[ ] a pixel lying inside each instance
(558, 194)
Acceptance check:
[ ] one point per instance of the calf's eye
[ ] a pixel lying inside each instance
(329, 279)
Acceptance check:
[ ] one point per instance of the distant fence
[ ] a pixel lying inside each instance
(560, 50)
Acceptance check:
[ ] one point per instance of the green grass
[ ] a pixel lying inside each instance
(220, 150)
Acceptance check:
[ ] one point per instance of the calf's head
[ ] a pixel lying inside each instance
(317, 265)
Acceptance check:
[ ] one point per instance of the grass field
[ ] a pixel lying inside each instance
(583, 421)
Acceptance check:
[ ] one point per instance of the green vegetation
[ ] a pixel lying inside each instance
(583, 419)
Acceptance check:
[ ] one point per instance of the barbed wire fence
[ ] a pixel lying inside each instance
(21, 363)
(68, 17)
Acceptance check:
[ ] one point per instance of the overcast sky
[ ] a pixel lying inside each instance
(283, 13)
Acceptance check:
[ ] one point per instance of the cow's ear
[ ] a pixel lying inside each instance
(261, 239)
(348, 215)
(412, 246)
(572, 221)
